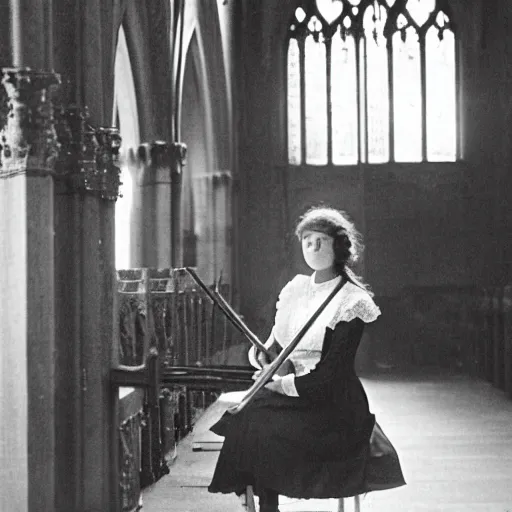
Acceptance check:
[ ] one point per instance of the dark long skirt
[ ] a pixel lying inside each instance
(302, 451)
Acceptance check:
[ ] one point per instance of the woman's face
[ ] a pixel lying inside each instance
(317, 249)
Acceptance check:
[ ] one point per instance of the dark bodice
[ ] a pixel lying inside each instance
(333, 382)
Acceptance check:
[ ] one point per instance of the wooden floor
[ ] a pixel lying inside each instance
(453, 435)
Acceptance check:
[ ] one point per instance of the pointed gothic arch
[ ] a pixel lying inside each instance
(205, 106)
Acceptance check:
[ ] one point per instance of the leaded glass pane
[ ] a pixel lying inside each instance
(407, 96)
(377, 84)
(294, 133)
(329, 9)
(344, 100)
(441, 96)
(316, 102)
(300, 14)
(362, 96)
(420, 10)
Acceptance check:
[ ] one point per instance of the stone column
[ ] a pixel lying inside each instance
(87, 187)
(31, 40)
(159, 190)
(155, 194)
(70, 127)
(28, 149)
(99, 321)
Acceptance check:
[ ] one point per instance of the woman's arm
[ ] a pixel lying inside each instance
(320, 383)
(337, 362)
(264, 360)
(256, 358)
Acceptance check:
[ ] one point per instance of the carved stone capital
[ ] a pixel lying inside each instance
(28, 141)
(70, 125)
(160, 153)
(163, 159)
(154, 154)
(89, 157)
(107, 162)
(178, 152)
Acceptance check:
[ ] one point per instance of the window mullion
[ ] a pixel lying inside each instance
(458, 113)
(365, 90)
(328, 45)
(358, 95)
(391, 87)
(423, 66)
(302, 60)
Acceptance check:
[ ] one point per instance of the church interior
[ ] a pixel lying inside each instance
(155, 156)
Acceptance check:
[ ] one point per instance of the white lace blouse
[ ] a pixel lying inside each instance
(298, 300)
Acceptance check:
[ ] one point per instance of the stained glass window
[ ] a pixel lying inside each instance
(371, 82)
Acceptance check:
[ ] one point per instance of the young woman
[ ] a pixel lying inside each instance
(309, 433)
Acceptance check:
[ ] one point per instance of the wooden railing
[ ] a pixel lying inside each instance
(187, 329)
(493, 353)
(175, 343)
(465, 328)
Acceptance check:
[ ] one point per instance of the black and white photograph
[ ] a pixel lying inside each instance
(255, 256)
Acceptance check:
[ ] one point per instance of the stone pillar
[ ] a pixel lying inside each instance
(31, 39)
(155, 193)
(28, 149)
(99, 321)
(68, 281)
(160, 235)
(87, 187)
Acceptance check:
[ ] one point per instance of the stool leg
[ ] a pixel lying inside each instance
(357, 504)
(341, 505)
(250, 504)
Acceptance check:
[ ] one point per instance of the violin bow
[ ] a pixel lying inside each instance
(230, 313)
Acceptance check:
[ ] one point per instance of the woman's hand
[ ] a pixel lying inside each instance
(286, 368)
(263, 359)
(257, 373)
(275, 386)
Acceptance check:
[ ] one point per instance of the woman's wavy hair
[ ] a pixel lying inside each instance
(348, 242)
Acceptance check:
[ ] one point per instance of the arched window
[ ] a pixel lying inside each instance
(371, 81)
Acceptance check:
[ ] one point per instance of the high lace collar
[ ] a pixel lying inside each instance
(325, 285)
(300, 298)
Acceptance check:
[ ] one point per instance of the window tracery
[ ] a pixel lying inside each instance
(371, 81)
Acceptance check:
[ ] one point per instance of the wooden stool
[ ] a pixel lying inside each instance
(250, 505)
(357, 504)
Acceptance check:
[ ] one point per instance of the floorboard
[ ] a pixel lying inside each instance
(453, 435)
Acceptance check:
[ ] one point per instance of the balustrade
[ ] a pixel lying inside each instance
(28, 149)
(494, 345)
(166, 313)
(507, 336)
